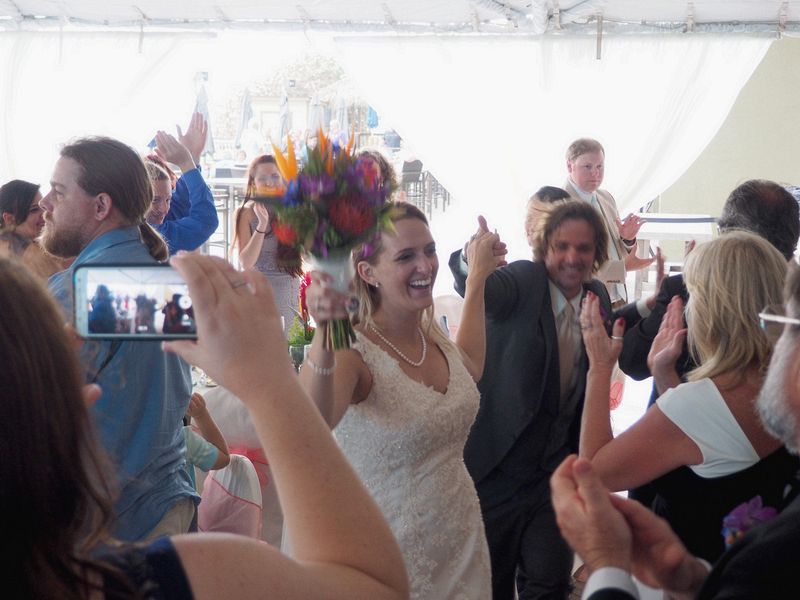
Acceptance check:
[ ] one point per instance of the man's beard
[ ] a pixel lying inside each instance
(63, 242)
(773, 404)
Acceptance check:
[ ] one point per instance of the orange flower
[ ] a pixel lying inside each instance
(285, 234)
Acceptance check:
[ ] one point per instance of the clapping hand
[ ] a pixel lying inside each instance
(603, 351)
(589, 522)
(661, 275)
(172, 151)
(667, 346)
(263, 215)
(636, 263)
(195, 137)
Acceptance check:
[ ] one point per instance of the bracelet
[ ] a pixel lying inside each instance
(259, 231)
(628, 242)
(324, 371)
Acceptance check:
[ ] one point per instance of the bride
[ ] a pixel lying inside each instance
(403, 398)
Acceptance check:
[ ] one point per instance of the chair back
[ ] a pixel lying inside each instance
(231, 499)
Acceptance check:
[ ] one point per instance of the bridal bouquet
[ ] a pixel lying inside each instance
(333, 204)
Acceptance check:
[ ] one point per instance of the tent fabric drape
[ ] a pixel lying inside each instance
(55, 88)
(492, 117)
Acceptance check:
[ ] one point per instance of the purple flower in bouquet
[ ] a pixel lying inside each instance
(744, 517)
(316, 186)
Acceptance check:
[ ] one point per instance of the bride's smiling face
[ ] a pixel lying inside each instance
(406, 267)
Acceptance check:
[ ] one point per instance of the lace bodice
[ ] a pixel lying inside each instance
(405, 441)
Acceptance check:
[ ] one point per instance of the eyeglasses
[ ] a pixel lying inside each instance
(773, 319)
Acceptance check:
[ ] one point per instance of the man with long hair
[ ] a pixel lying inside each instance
(95, 211)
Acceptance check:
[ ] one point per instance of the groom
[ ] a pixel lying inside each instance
(532, 396)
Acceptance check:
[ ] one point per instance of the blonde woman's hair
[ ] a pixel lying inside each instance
(369, 296)
(730, 280)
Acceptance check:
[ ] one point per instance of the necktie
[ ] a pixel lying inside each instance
(566, 347)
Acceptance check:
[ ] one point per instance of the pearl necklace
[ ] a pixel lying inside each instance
(400, 354)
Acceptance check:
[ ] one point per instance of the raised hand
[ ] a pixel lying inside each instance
(661, 272)
(481, 255)
(667, 346)
(636, 263)
(499, 248)
(324, 302)
(603, 351)
(629, 228)
(195, 137)
(661, 275)
(263, 215)
(172, 151)
(197, 406)
(588, 521)
(237, 325)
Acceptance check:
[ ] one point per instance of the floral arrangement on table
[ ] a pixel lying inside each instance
(744, 517)
(300, 331)
(330, 206)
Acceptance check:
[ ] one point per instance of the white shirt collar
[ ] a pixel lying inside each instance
(587, 196)
(559, 301)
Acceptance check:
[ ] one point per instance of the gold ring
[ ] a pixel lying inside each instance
(239, 284)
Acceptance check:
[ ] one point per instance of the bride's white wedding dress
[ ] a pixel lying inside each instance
(406, 440)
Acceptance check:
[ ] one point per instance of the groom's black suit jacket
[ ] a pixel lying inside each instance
(520, 382)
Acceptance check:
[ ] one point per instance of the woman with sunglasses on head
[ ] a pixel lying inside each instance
(259, 247)
(54, 497)
(21, 222)
(402, 400)
(702, 444)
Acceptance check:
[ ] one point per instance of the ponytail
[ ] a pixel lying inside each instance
(155, 243)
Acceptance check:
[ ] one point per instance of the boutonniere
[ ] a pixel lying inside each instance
(744, 517)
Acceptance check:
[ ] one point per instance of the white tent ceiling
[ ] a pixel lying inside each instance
(485, 16)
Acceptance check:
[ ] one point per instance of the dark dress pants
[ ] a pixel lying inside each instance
(525, 545)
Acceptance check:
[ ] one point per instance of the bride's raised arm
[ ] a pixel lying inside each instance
(471, 336)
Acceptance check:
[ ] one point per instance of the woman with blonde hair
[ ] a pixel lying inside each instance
(259, 246)
(708, 424)
(403, 398)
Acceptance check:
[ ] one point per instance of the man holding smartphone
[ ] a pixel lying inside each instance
(95, 211)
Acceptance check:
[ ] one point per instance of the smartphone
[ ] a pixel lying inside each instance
(132, 302)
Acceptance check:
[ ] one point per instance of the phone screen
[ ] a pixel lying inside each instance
(146, 302)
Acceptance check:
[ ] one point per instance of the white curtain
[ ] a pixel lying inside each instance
(492, 117)
(57, 87)
(54, 87)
